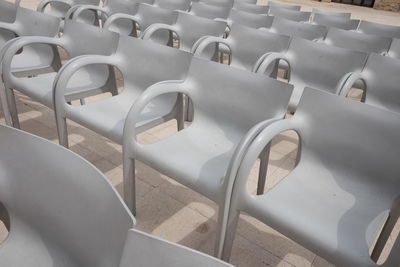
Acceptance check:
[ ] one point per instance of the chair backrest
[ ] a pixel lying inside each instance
(250, 19)
(382, 79)
(59, 8)
(209, 11)
(382, 30)
(357, 41)
(153, 63)
(251, 8)
(223, 3)
(337, 22)
(191, 28)
(83, 39)
(60, 206)
(297, 29)
(233, 100)
(124, 6)
(394, 50)
(150, 14)
(183, 5)
(142, 249)
(8, 11)
(331, 13)
(282, 5)
(248, 45)
(321, 66)
(290, 14)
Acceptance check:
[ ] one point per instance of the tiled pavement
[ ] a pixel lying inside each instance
(172, 211)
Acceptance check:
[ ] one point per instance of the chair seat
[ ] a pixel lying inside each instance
(33, 58)
(315, 223)
(107, 117)
(204, 170)
(40, 88)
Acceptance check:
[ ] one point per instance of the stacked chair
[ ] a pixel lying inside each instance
(341, 200)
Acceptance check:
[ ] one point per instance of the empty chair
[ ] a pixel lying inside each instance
(291, 14)
(394, 50)
(145, 16)
(188, 29)
(209, 11)
(221, 3)
(382, 30)
(336, 22)
(78, 39)
(142, 249)
(297, 29)
(250, 19)
(331, 13)
(315, 65)
(204, 155)
(183, 5)
(381, 87)
(358, 41)
(273, 5)
(59, 8)
(59, 209)
(338, 197)
(251, 8)
(246, 45)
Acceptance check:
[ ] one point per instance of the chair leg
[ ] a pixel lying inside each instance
(62, 131)
(262, 174)
(129, 184)
(180, 117)
(230, 234)
(4, 104)
(82, 100)
(189, 110)
(12, 105)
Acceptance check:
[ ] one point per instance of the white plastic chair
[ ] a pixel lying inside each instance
(290, 14)
(382, 30)
(315, 65)
(59, 8)
(273, 5)
(220, 3)
(251, 8)
(209, 11)
(345, 185)
(249, 19)
(297, 29)
(228, 103)
(183, 5)
(8, 11)
(326, 12)
(336, 21)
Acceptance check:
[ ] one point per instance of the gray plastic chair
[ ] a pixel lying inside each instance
(251, 8)
(358, 41)
(188, 29)
(249, 19)
(183, 5)
(273, 5)
(59, 8)
(336, 22)
(344, 186)
(290, 14)
(146, 15)
(8, 11)
(394, 50)
(78, 39)
(227, 103)
(209, 11)
(381, 87)
(144, 250)
(382, 30)
(59, 209)
(315, 65)
(221, 3)
(245, 45)
(297, 29)
(326, 12)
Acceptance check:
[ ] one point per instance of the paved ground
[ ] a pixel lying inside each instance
(170, 210)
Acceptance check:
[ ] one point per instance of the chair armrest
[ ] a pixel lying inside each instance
(71, 11)
(347, 82)
(148, 33)
(267, 59)
(129, 139)
(83, 8)
(121, 16)
(42, 5)
(205, 41)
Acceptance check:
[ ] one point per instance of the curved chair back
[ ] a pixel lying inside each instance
(8, 11)
(337, 22)
(149, 15)
(250, 19)
(183, 5)
(61, 208)
(297, 29)
(382, 87)
(209, 11)
(358, 41)
(247, 45)
(382, 30)
(124, 6)
(331, 13)
(251, 8)
(59, 9)
(320, 66)
(290, 14)
(221, 3)
(394, 50)
(273, 5)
